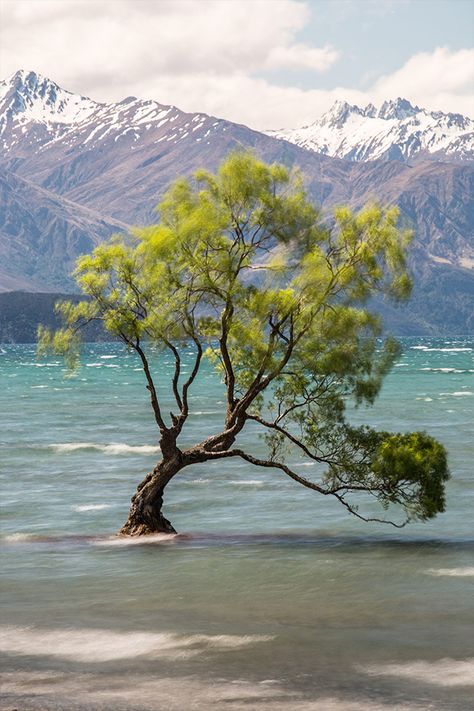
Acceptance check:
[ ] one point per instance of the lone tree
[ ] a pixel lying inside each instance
(240, 269)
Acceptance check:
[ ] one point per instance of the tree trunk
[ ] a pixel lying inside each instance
(145, 515)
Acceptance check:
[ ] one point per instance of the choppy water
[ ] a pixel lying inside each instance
(272, 597)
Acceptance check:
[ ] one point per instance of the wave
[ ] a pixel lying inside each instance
(19, 537)
(91, 507)
(440, 350)
(443, 672)
(445, 370)
(203, 412)
(108, 357)
(113, 448)
(458, 393)
(247, 482)
(102, 645)
(42, 365)
(126, 541)
(465, 572)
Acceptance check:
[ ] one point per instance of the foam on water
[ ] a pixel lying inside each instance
(467, 572)
(440, 350)
(127, 541)
(444, 370)
(444, 672)
(112, 448)
(91, 507)
(458, 393)
(19, 537)
(102, 645)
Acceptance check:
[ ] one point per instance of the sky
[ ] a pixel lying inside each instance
(265, 63)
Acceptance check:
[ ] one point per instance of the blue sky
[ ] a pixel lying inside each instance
(378, 36)
(265, 63)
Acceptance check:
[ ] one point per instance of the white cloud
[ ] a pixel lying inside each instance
(300, 56)
(181, 37)
(208, 55)
(440, 79)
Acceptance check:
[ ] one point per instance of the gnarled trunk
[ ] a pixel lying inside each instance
(145, 514)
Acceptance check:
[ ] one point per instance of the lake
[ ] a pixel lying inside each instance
(271, 597)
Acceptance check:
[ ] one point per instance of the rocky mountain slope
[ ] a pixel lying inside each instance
(41, 235)
(394, 131)
(74, 171)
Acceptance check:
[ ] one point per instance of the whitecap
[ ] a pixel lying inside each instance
(126, 541)
(91, 507)
(448, 350)
(198, 481)
(107, 357)
(112, 448)
(465, 572)
(38, 387)
(247, 482)
(443, 672)
(209, 412)
(130, 449)
(102, 645)
(19, 537)
(444, 370)
(458, 393)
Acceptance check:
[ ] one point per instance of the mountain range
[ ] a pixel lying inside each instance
(394, 131)
(74, 171)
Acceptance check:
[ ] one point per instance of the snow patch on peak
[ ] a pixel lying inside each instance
(397, 109)
(396, 130)
(28, 96)
(339, 113)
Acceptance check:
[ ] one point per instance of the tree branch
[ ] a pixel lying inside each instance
(150, 385)
(177, 370)
(289, 436)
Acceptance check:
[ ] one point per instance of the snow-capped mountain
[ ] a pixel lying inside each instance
(35, 113)
(394, 131)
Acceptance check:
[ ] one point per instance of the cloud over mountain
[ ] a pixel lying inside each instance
(237, 59)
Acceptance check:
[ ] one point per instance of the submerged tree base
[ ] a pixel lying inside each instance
(145, 516)
(135, 528)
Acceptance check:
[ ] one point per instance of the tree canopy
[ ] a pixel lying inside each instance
(241, 267)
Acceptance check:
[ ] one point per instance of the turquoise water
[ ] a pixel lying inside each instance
(273, 597)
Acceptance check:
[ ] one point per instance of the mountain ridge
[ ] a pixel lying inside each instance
(396, 130)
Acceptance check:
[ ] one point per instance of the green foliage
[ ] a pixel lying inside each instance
(412, 468)
(63, 342)
(240, 265)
